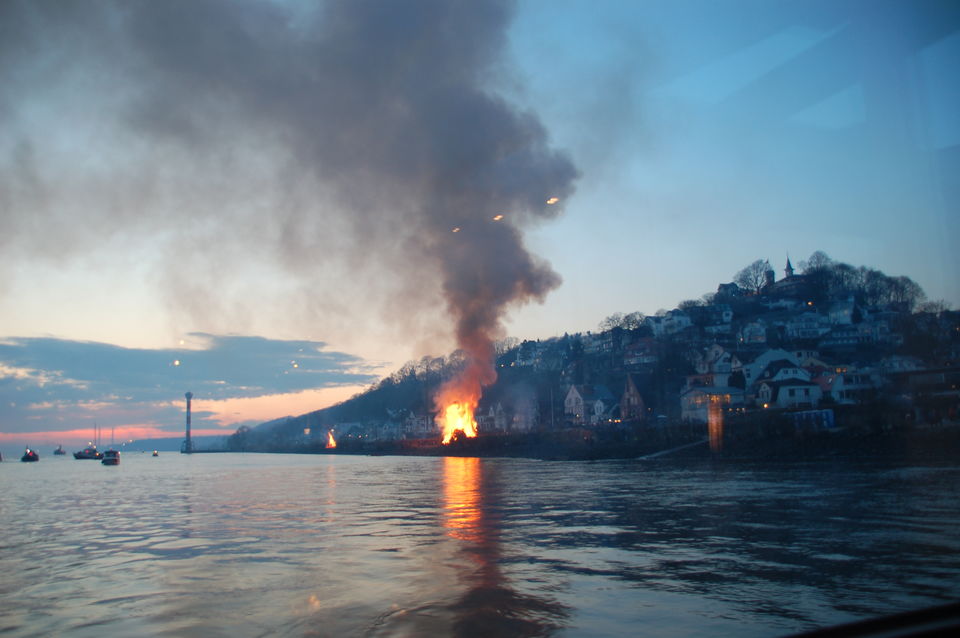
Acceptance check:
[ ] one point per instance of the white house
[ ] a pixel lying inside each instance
(809, 325)
(789, 393)
(695, 402)
(589, 403)
(752, 370)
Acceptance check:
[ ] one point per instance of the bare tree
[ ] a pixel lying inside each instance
(632, 321)
(754, 276)
(611, 322)
(817, 262)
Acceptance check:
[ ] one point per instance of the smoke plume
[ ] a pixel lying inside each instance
(353, 147)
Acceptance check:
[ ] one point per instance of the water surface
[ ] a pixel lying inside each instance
(257, 544)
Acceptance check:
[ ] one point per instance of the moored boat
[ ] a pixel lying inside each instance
(59, 451)
(30, 456)
(155, 453)
(111, 457)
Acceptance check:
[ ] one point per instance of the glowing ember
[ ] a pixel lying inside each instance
(497, 218)
(553, 200)
(331, 442)
(457, 229)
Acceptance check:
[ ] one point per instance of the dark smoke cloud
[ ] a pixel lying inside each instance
(341, 143)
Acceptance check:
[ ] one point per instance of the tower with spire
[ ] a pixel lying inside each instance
(789, 269)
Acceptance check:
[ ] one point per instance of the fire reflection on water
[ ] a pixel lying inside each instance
(489, 607)
(715, 424)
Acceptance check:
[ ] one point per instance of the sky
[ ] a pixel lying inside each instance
(255, 201)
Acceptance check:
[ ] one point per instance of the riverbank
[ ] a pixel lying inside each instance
(681, 442)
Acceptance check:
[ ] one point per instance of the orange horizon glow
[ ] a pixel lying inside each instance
(230, 412)
(121, 434)
(227, 413)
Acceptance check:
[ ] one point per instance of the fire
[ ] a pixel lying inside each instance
(458, 417)
(331, 442)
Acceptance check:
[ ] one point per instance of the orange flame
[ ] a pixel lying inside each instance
(455, 404)
(331, 442)
(457, 417)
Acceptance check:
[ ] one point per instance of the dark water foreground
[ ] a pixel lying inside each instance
(312, 545)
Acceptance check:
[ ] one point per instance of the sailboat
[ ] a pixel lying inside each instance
(90, 452)
(59, 451)
(111, 456)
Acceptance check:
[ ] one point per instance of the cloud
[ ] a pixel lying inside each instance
(48, 383)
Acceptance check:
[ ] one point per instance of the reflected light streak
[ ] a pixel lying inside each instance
(461, 495)
(715, 424)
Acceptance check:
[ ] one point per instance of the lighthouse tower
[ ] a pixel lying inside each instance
(187, 447)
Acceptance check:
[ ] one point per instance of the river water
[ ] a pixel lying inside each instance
(262, 545)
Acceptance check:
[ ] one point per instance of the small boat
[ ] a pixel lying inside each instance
(111, 457)
(30, 456)
(59, 451)
(89, 452)
(155, 453)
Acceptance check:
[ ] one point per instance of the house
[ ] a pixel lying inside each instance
(865, 333)
(632, 407)
(808, 325)
(783, 369)
(848, 388)
(494, 419)
(641, 353)
(753, 369)
(589, 404)
(526, 415)
(695, 402)
(597, 343)
(788, 393)
(753, 332)
(418, 426)
(715, 359)
(669, 324)
(900, 363)
(842, 313)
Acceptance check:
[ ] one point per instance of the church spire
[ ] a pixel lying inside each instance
(789, 269)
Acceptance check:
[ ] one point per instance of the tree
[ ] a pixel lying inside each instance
(818, 270)
(611, 322)
(630, 321)
(753, 277)
(818, 261)
(687, 304)
(934, 307)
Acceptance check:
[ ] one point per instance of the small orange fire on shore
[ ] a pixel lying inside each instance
(331, 442)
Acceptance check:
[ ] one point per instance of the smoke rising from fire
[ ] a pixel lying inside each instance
(340, 146)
